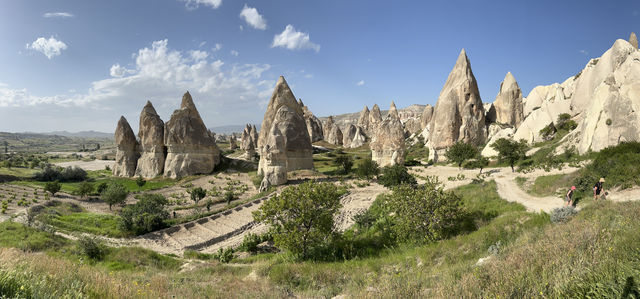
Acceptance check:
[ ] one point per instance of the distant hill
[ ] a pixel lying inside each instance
(81, 134)
(47, 142)
(343, 120)
(230, 129)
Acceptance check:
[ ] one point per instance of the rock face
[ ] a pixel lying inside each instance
(314, 125)
(363, 119)
(359, 139)
(254, 135)
(348, 135)
(633, 40)
(375, 117)
(233, 144)
(387, 144)
(508, 103)
(127, 152)
(427, 114)
(488, 151)
(191, 147)
(284, 140)
(412, 126)
(247, 144)
(459, 113)
(151, 134)
(332, 132)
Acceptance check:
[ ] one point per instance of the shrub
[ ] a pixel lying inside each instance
(345, 162)
(140, 181)
(460, 152)
(146, 215)
(480, 162)
(548, 131)
(609, 122)
(224, 256)
(52, 187)
(101, 187)
(229, 196)
(368, 168)
(115, 193)
(510, 151)
(52, 173)
(425, 213)
(85, 189)
(91, 247)
(617, 164)
(564, 214)
(197, 194)
(301, 218)
(396, 175)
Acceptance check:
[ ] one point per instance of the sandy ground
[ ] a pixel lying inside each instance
(88, 165)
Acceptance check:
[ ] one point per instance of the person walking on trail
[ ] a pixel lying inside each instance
(569, 196)
(598, 189)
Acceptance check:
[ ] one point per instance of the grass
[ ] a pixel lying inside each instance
(18, 172)
(326, 162)
(19, 236)
(72, 218)
(548, 185)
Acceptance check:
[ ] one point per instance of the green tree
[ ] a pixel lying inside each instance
(460, 152)
(345, 162)
(396, 175)
(301, 217)
(423, 214)
(140, 181)
(368, 168)
(479, 162)
(146, 215)
(510, 150)
(52, 187)
(85, 189)
(197, 194)
(115, 193)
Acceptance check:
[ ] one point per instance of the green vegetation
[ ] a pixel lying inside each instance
(52, 187)
(510, 151)
(301, 217)
(548, 185)
(327, 163)
(146, 215)
(416, 153)
(345, 162)
(115, 193)
(396, 175)
(26, 238)
(85, 189)
(460, 152)
(618, 165)
(72, 218)
(368, 168)
(479, 162)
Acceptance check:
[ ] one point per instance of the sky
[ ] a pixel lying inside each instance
(79, 65)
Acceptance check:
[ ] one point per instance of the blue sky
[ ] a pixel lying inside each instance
(79, 65)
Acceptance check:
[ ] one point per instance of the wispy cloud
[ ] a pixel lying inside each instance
(193, 4)
(50, 47)
(61, 15)
(234, 53)
(360, 83)
(253, 17)
(294, 40)
(584, 52)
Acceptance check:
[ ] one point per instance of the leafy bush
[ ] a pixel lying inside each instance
(140, 181)
(425, 213)
(510, 151)
(146, 215)
(460, 152)
(345, 162)
(197, 194)
(565, 122)
(478, 163)
(52, 187)
(564, 214)
(114, 193)
(548, 131)
(396, 175)
(609, 122)
(301, 218)
(224, 256)
(91, 247)
(251, 241)
(85, 189)
(618, 164)
(368, 169)
(54, 173)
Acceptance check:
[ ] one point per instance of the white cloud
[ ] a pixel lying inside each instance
(62, 15)
(118, 71)
(193, 4)
(253, 17)
(360, 83)
(241, 28)
(584, 52)
(224, 94)
(217, 47)
(234, 53)
(308, 76)
(202, 44)
(49, 47)
(294, 40)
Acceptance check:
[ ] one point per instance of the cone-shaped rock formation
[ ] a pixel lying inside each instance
(151, 134)
(387, 143)
(127, 151)
(508, 105)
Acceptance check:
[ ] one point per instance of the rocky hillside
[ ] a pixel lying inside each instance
(344, 120)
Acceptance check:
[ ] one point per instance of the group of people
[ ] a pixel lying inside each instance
(598, 192)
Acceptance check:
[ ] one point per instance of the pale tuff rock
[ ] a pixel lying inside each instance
(508, 103)
(247, 144)
(387, 144)
(191, 147)
(412, 126)
(254, 135)
(603, 99)
(633, 40)
(127, 152)
(284, 142)
(426, 116)
(488, 151)
(359, 139)
(375, 118)
(233, 144)
(363, 119)
(314, 125)
(348, 135)
(332, 132)
(459, 113)
(151, 134)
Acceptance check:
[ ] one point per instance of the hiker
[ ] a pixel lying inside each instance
(597, 189)
(569, 196)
